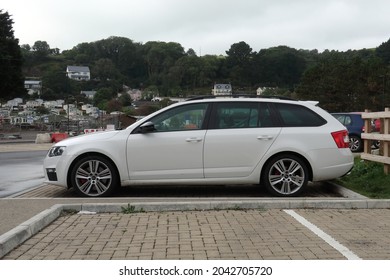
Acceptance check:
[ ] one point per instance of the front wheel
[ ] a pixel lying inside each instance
(94, 176)
(285, 175)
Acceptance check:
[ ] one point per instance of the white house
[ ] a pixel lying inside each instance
(135, 94)
(261, 90)
(222, 89)
(14, 103)
(54, 104)
(90, 94)
(33, 86)
(79, 73)
(90, 110)
(34, 103)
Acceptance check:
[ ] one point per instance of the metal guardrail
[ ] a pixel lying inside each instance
(383, 136)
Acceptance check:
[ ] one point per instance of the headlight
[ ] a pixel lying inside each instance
(56, 151)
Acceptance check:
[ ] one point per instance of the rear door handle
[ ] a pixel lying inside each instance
(193, 139)
(265, 137)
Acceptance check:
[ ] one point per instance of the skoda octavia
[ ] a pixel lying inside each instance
(278, 144)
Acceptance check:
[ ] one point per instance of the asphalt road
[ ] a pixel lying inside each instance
(20, 171)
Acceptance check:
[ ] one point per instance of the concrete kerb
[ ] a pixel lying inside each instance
(24, 231)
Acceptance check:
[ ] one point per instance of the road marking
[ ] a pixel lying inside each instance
(324, 236)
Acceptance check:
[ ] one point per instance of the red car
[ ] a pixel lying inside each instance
(377, 125)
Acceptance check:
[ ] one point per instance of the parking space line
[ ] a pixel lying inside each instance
(324, 236)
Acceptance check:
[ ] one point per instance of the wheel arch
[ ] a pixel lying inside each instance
(308, 165)
(68, 179)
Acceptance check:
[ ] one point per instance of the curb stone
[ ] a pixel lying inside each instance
(24, 231)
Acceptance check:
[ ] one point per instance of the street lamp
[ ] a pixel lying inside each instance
(68, 112)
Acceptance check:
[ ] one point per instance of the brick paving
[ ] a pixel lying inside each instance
(224, 234)
(365, 232)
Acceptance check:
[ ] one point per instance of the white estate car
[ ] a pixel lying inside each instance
(278, 144)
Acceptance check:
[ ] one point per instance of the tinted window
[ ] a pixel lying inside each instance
(242, 115)
(186, 117)
(296, 115)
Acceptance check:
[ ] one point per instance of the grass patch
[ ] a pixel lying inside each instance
(368, 179)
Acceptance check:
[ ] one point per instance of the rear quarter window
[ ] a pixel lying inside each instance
(296, 116)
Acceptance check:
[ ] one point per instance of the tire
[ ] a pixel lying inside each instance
(355, 143)
(94, 176)
(285, 175)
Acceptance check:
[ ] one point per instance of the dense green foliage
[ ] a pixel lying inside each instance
(368, 179)
(11, 78)
(341, 81)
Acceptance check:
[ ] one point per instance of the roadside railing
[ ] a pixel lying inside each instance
(383, 136)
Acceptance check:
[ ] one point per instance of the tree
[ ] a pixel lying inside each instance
(104, 69)
(11, 78)
(41, 50)
(344, 82)
(383, 51)
(102, 96)
(125, 99)
(113, 105)
(279, 67)
(160, 57)
(55, 82)
(239, 63)
(239, 53)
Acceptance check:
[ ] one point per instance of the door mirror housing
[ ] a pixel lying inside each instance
(147, 127)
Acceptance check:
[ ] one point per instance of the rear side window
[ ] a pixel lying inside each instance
(242, 115)
(296, 115)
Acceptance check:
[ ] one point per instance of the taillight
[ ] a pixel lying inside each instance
(341, 138)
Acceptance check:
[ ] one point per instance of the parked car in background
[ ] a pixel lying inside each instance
(355, 125)
(279, 144)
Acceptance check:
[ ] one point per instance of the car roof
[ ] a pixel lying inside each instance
(349, 113)
(251, 98)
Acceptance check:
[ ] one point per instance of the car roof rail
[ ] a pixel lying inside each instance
(200, 97)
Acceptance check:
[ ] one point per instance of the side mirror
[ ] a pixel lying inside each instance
(147, 127)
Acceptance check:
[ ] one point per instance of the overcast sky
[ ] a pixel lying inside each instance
(207, 26)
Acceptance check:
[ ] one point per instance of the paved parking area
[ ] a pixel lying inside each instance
(304, 231)
(272, 234)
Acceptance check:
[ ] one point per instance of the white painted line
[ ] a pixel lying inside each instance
(324, 236)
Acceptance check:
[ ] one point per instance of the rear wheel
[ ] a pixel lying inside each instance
(94, 176)
(285, 175)
(355, 143)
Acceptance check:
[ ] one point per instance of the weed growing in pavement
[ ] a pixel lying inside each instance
(261, 209)
(130, 209)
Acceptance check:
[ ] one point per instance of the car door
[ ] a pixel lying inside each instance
(173, 150)
(241, 134)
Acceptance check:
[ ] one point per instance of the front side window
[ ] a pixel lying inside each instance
(186, 117)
